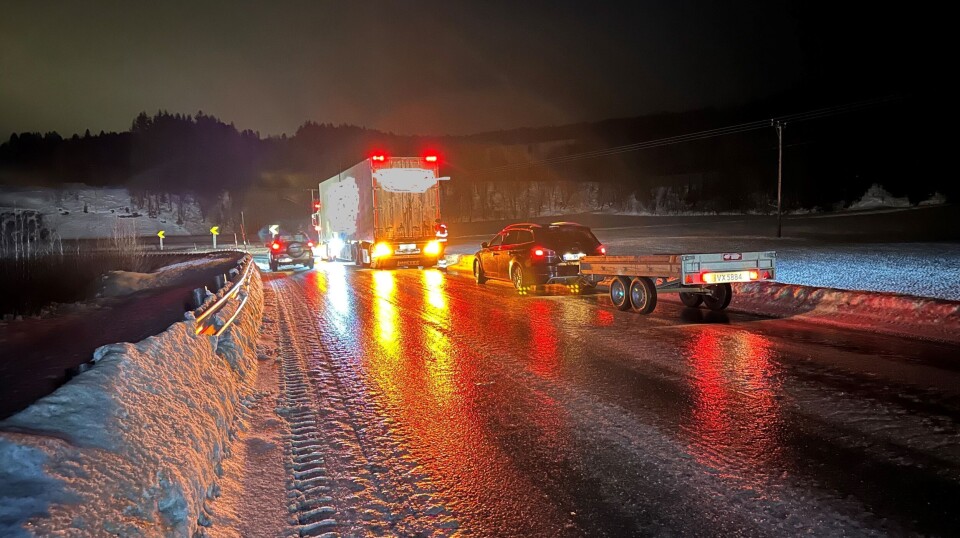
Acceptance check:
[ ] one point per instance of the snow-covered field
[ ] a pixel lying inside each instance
(63, 212)
(133, 446)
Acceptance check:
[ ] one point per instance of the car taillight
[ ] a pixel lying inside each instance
(602, 250)
(538, 252)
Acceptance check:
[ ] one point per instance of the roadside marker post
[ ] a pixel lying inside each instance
(215, 231)
(160, 235)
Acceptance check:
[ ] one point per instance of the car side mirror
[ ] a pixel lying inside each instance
(484, 245)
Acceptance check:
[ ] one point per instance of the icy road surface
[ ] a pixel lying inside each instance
(420, 403)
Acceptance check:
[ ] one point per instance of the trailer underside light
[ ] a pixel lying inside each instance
(381, 250)
(432, 248)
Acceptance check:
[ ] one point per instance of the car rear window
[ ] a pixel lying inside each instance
(571, 238)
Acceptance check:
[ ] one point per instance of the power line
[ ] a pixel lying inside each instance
(699, 135)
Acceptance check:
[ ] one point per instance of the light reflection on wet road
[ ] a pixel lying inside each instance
(557, 415)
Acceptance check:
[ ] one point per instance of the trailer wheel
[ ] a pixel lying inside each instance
(478, 272)
(692, 300)
(643, 295)
(719, 298)
(618, 293)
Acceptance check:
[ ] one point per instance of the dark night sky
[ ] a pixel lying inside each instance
(432, 67)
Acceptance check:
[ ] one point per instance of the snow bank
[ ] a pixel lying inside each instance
(877, 197)
(117, 283)
(887, 313)
(132, 446)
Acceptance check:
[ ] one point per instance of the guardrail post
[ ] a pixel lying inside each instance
(199, 295)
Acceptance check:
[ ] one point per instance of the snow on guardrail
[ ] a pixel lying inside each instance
(133, 445)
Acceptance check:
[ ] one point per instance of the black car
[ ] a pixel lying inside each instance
(534, 254)
(292, 249)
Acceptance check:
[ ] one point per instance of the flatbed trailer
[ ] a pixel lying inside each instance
(635, 281)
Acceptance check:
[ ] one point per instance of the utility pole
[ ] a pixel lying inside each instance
(779, 125)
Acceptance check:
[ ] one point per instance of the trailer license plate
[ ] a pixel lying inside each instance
(736, 276)
(408, 248)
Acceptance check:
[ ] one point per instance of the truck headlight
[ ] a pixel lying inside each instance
(432, 248)
(381, 250)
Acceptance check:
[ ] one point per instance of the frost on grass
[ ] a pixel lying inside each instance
(132, 446)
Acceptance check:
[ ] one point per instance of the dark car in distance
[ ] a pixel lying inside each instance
(291, 249)
(536, 254)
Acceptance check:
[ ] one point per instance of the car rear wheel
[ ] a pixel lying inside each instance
(478, 272)
(719, 298)
(692, 300)
(643, 295)
(618, 293)
(516, 275)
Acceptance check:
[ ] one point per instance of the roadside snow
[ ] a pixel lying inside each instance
(117, 283)
(133, 446)
(886, 313)
(876, 197)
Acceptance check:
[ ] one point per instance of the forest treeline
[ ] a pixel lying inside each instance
(827, 161)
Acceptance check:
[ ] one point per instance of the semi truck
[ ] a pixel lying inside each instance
(383, 212)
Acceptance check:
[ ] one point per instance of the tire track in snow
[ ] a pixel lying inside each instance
(350, 472)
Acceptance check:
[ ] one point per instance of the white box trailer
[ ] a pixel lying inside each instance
(635, 281)
(383, 212)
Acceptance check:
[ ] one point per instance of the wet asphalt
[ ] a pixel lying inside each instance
(556, 415)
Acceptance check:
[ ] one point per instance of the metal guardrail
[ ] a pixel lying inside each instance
(204, 320)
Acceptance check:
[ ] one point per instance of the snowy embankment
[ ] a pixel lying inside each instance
(133, 446)
(886, 313)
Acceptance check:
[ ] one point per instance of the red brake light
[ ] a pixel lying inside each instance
(430, 158)
(378, 157)
(310, 244)
(602, 249)
(275, 246)
(538, 252)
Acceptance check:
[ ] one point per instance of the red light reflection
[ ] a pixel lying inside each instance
(736, 421)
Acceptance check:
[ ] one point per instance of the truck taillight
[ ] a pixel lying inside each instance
(378, 157)
(431, 158)
(602, 250)
(754, 275)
